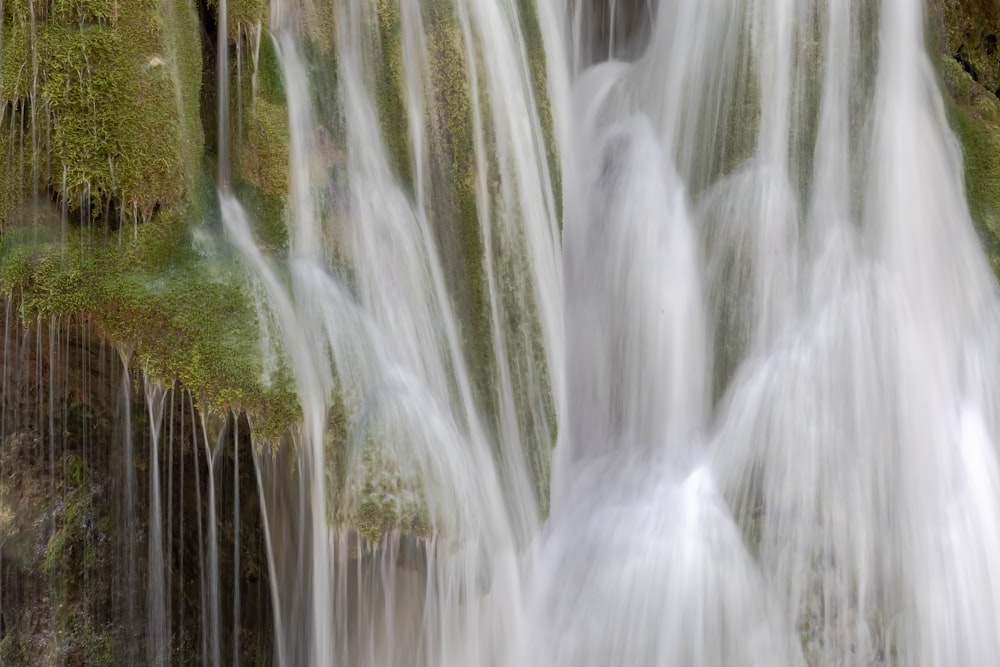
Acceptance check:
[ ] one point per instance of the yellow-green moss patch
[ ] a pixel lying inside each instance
(188, 317)
(109, 92)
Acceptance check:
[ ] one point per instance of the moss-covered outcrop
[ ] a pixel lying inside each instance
(101, 115)
(976, 121)
(260, 124)
(103, 98)
(185, 315)
(101, 120)
(969, 30)
(258, 112)
(242, 15)
(966, 33)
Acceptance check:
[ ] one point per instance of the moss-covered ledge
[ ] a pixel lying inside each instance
(101, 128)
(184, 314)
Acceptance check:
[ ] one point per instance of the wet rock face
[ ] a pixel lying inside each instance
(54, 521)
(971, 30)
(57, 553)
(75, 554)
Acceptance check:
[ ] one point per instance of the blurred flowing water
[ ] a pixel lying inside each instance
(624, 332)
(762, 328)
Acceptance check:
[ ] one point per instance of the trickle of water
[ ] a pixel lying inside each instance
(129, 507)
(157, 646)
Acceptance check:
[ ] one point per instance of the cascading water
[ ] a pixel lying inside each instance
(775, 385)
(853, 314)
(715, 252)
(376, 337)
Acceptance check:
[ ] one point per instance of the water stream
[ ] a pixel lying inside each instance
(767, 341)
(624, 333)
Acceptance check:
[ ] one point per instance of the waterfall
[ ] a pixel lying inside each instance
(624, 332)
(404, 546)
(764, 327)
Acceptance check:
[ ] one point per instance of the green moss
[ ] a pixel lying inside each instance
(260, 132)
(452, 176)
(74, 556)
(67, 545)
(268, 214)
(389, 499)
(73, 11)
(452, 167)
(99, 650)
(389, 98)
(981, 143)
(188, 317)
(17, 159)
(539, 77)
(15, 65)
(454, 147)
(321, 25)
(975, 116)
(11, 651)
(117, 109)
(114, 100)
(380, 514)
(971, 29)
(182, 44)
(16, 265)
(263, 158)
(270, 86)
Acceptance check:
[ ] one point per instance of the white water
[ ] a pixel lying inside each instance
(765, 330)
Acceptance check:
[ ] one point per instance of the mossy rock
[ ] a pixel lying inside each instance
(17, 165)
(975, 116)
(186, 315)
(970, 30)
(114, 101)
(263, 156)
(383, 489)
(386, 504)
(259, 131)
